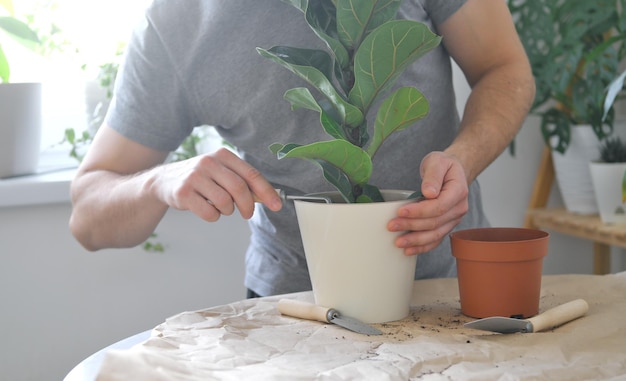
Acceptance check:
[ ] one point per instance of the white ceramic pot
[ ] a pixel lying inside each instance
(608, 182)
(20, 128)
(572, 170)
(353, 262)
(96, 104)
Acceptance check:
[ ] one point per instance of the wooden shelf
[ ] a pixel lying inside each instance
(583, 226)
(560, 220)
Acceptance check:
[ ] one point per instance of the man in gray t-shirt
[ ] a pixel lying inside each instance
(193, 62)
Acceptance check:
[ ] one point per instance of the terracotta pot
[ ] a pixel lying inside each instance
(353, 262)
(499, 270)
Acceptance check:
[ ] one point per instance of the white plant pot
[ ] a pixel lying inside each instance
(607, 182)
(353, 262)
(20, 128)
(96, 104)
(572, 170)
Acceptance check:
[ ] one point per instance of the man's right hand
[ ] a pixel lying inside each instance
(122, 190)
(213, 184)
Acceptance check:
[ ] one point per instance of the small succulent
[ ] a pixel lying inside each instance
(613, 150)
(367, 50)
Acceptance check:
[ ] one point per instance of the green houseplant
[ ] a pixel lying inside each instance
(613, 150)
(575, 49)
(349, 82)
(367, 51)
(609, 180)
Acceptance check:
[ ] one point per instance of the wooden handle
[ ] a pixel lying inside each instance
(303, 310)
(559, 315)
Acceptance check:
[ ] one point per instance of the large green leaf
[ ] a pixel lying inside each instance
(400, 110)
(5, 72)
(16, 28)
(350, 114)
(369, 193)
(347, 157)
(383, 56)
(338, 179)
(332, 174)
(357, 18)
(555, 129)
(300, 4)
(320, 15)
(301, 98)
(615, 87)
(318, 59)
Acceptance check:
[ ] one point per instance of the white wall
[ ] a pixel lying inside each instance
(60, 303)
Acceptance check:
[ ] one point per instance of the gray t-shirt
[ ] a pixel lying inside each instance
(193, 63)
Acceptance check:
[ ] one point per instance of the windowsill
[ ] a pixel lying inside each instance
(43, 188)
(50, 184)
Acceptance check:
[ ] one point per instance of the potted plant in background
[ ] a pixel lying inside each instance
(609, 180)
(575, 49)
(20, 103)
(609, 173)
(368, 279)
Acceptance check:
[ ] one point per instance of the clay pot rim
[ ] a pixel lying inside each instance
(479, 237)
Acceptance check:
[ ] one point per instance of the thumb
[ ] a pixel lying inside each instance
(433, 170)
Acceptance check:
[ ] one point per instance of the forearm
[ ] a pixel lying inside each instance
(118, 200)
(112, 210)
(494, 113)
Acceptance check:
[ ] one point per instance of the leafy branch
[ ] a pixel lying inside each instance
(367, 52)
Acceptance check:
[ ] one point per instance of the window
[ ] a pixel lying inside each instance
(78, 36)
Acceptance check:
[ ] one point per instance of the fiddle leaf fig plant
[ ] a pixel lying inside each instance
(367, 51)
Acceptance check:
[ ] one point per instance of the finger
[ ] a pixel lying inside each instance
(420, 242)
(206, 188)
(269, 197)
(203, 208)
(452, 196)
(221, 183)
(433, 169)
(430, 217)
(255, 184)
(221, 201)
(426, 209)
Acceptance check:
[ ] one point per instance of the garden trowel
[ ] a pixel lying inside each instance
(310, 311)
(546, 320)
